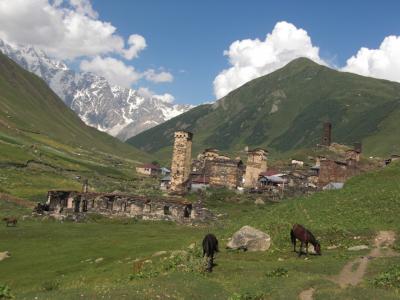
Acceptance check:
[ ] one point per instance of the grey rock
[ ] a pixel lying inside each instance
(358, 248)
(251, 239)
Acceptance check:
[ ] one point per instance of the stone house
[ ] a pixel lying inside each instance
(199, 183)
(165, 183)
(336, 171)
(220, 170)
(148, 169)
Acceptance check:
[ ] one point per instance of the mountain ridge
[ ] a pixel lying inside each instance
(284, 110)
(31, 111)
(121, 112)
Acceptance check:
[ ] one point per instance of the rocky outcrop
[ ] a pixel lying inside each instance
(250, 239)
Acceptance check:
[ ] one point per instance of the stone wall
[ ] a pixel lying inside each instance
(336, 171)
(219, 170)
(181, 162)
(224, 173)
(256, 163)
(163, 208)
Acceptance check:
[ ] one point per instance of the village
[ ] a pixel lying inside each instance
(210, 169)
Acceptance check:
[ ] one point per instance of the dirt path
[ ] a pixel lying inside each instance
(354, 271)
(307, 294)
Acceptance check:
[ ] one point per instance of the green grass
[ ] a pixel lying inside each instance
(53, 260)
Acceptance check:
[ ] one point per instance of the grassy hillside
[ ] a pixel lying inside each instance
(52, 260)
(44, 145)
(285, 110)
(27, 104)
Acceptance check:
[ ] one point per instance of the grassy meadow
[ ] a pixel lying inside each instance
(113, 258)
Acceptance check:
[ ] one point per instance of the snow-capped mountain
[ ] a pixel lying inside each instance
(119, 111)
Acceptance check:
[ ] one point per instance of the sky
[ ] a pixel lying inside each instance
(198, 51)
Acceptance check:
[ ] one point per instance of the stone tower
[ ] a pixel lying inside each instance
(358, 147)
(327, 134)
(256, 163)
(181, 161)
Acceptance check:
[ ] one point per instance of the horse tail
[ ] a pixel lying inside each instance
(292, 237)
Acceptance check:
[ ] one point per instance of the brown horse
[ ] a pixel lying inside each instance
(10, 220)
(304, 236)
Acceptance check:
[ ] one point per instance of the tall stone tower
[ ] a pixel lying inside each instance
(358, 147)
(256, 163)
(327, 134)
(181, 161)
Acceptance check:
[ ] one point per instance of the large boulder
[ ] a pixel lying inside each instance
(250, 239)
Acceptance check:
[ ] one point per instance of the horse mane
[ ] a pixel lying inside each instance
(313, 240)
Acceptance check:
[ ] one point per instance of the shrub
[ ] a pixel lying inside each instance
(279, 272)
(5, 292)
(248, 296)
(51, 285)
(388, 279)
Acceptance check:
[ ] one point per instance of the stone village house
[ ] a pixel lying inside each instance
(148, 169)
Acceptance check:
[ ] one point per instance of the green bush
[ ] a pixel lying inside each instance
(279, 272)
(5, 292)
(388, 279)
(51, 285)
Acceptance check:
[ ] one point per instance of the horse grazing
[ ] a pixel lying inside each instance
(210, 247)
(304, 236)
(10, 220)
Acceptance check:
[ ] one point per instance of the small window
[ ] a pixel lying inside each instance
(187, 211)
(167, 211)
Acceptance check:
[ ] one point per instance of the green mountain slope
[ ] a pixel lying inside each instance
(28, 104)
(44, 145)
(285, 110)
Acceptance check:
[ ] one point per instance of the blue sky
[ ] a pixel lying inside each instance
(188, 38)
(175, 48)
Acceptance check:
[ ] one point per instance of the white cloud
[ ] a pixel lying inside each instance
(84, 7)
(64, 29)
(147, 93)
(112, 69)
(162, 76)
(250, 59)
(167, 98)
(381, 63)
(137, 43)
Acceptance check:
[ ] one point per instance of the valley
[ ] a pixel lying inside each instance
(305, 144)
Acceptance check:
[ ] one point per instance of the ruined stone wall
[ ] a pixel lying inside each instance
(181, 161)
(352, 155)
(256, 163)
(165, 208)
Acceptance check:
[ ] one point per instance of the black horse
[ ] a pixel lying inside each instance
(210, 247)
(305, 236)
